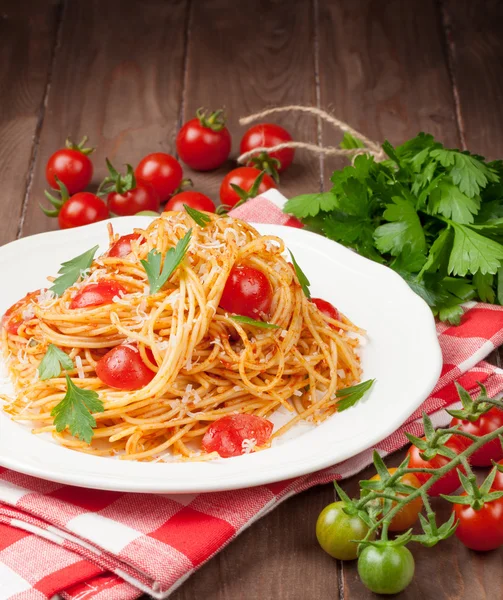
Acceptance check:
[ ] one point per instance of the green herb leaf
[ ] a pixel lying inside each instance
(351, 395)
(472, 252)
(349, 142)
(249, 321)
(309, 205)
(405, 228)
(72, 270)
(303, 280)
(199, 217)
(174, 256)
(74, 411)
(54, 361)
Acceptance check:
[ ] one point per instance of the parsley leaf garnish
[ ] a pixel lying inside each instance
(351, 395)
(55, 360)
(472, 252)
(403, 229)
(303, 280)
(199, 217)
(174, 256)
(74, 411)
(71, 270)
(249, 321)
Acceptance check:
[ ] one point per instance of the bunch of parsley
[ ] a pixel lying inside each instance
(432, 214)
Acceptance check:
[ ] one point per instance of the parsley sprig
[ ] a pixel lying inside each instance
(433, 214)
(250, 321)
(55, 360)
(72, 270)
(157, 277)
(75, 411)
(199, 217)
(351, 395)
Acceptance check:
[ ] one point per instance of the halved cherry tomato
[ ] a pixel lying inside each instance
(162, 171)
(72, 166)
(267, 135)
(243, 177)
(13, 316)
(247, 292)
(96, 294)
(326, 308)
(498, 480)
(406, 517)
(226, 435)
(122, 246)
(80, 209)
(481, 529)
(123, 368)
(487, 423)
(450, 481)
(193, 199)
(204, 143)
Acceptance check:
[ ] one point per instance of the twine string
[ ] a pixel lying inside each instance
(370, 147)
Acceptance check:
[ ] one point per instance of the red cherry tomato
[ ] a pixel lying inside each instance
(326, 308)
(122, 246)
(193, 199)
(482, 529)
(162, 171)
(72, 166)
(204, 143)
(449, 482)
(142, 197)
(13, 316)
(96, 294)
(83, 208)
(498, 480)
(226, 435)
(247, 292)
(243, 177)
(267, 135)
(487, 423)
(123, 368)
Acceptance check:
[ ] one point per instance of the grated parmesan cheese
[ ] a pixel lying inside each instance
(80, 368)
(28, 313)
(297, 393)
(248, 445)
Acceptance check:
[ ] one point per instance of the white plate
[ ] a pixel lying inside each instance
(402, 353)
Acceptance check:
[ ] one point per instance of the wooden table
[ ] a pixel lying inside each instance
(128, 73)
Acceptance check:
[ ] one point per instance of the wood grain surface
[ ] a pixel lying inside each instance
(128, 72)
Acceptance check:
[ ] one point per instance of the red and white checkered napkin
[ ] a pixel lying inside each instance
(87, 544)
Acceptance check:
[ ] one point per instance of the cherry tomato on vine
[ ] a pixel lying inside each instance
(498, 480)
(409, 514)
(71, 165)
(123, 368)
(80, 209)
(247, 292)
(487, 423)
(162, 171)
(326, 308)
(13, 316)
(204, 143)
(450, 481)
(96, 294)
(122, 246)
(335, 531)
(193, 199)
(126, 196)
(244, 178)
(386, 569)
(267, 135)
(480, 529)
(226, 435)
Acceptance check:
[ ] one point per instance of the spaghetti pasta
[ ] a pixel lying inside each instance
(205, 364)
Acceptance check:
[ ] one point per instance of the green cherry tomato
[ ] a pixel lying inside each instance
(386, 569)
(335, 530)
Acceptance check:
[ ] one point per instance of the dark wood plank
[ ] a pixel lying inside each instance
(25, 61)
(476, 58)
(278, 557)
(383, 69)
(253, 56)
(118, 76)
(449, 571)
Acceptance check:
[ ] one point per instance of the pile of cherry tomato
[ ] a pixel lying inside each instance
(203, 144)
(388, 568)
